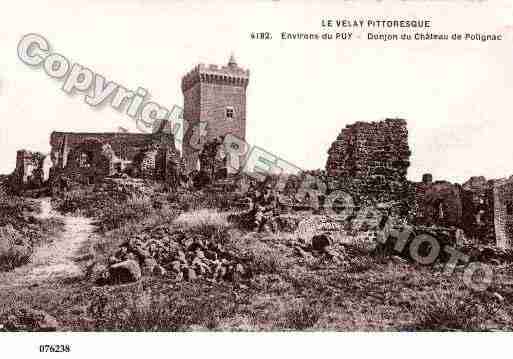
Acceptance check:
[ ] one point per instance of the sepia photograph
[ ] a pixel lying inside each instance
(208, 169)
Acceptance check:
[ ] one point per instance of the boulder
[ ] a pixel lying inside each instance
(498, 297)
(148, 266)
(321, 241)
(124, 272)
(287, 223)
(141, 253)
(191, 275)
(24, 319)
(97, 273)
(158, 270)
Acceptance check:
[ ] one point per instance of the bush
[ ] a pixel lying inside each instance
(116, 215)
(81, 201)
(107, 244)
(261, 257)
(12, 255)
(20, 231)
(133, 310)
(301, 316)
(444, 311)
(206, 222)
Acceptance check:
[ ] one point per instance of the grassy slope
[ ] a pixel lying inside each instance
(376, 296)
(24, 230)
(285, 292)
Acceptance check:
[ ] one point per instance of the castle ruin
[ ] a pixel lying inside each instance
(371, 161)
(214, 97)
(371, 158)
(91, 157)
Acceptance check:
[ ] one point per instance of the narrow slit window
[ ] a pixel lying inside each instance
(229, 113)
(509, 208)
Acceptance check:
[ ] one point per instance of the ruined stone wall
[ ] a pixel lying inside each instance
(478, 209)
(438, 203)
(503, 212)
(124, 145)
(104, 154)
(86, 162)
(159, 161)
(372, 159)
(173, 171)
(213, 160)
(371, 149)
(145, 163)
(30, 169)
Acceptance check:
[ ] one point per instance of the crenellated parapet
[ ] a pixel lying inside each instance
(230, 74)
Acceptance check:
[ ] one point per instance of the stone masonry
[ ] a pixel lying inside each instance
(32, 169)
(503, 212)
(215, 96)
(89, 157)
(372, 159)
(371, 149)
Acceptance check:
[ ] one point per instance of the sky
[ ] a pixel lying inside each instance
(456, 95)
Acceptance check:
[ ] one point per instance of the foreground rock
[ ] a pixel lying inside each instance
(125, 272)
(166, 251)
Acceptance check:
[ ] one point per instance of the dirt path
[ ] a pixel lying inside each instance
(57, 260)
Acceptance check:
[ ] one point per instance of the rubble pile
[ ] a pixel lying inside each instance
(444, 236)
(488, 254)
(284, 223)
(317, 224)
(126, 187)
(324, 249)
(177, 253)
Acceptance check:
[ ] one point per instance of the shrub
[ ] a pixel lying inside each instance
(116, 215)
(20, 231)
(206, 222)
(12, 255)
(301, 316)
(444, 311)
(261, 257)
(105, 245)
(149, 310)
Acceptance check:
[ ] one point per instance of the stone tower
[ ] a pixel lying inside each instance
(214, 106)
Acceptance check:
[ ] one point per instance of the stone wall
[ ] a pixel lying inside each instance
(124, 145)
(503, 212)
(478, 209)
(90, 157)
(213, 160)
(438, 203)
(31, 169)
(144, 164)
(371, 149)
(372, 159)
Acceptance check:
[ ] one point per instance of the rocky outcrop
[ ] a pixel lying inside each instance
(125, 272)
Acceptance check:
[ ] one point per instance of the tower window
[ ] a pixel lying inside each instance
(229, 113)
(509, 208)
